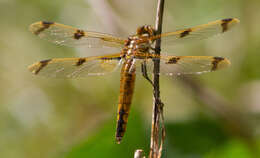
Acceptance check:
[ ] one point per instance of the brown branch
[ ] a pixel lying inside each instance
(156, 145)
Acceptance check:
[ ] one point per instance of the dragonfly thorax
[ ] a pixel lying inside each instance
(142, 35)
(140, 42)
(136, 44)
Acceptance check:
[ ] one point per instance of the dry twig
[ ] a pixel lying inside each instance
(157, 140)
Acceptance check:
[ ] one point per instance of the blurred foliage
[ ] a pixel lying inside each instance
(47, 118)
(109, 147)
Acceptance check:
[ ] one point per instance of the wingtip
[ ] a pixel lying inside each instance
(32, 26)
(32, 68)
(37, 27)
(223, 64)
(228, 62)
(231, 20)
(236, 20)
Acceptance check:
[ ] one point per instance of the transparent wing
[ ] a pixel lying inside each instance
(70, 36)
(183, 65)
(76, 67)
(198, 32)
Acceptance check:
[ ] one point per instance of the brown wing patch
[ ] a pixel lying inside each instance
(42, 64)
(173, 60)
(215, 62)
(110, 58)
(225, 23)
(78, 34)
(80, 61)
(185, 33)
(44, 26)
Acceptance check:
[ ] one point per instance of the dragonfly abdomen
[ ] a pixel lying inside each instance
(127, 82)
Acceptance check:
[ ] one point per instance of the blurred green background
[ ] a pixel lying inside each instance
(216, 117)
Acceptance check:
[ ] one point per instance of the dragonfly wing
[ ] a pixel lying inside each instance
(198, 32)
(66, 35)
(76, 67)
(183, 65)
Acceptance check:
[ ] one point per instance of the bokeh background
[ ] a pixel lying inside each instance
(214, 115)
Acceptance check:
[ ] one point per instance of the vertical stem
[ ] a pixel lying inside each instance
(155, 148)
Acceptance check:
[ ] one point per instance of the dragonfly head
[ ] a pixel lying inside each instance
(145, 31)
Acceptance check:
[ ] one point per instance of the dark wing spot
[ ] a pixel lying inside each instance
(42, 63)
(215, 63)
(224, 24)
(107, 58)
(78, 34)
(227, 20)
(80, 61)
(45, 25)
(173, 60)
(185, 33)
(104, 39)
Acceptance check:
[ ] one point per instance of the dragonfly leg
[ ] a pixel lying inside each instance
(132, 67)
(144, 73)
(119, 63)
(154, 49)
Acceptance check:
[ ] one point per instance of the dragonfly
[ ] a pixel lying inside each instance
(135, 57)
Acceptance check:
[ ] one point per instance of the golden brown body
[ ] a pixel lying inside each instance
(127, 83)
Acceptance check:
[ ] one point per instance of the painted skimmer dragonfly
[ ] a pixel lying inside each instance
(136, 51)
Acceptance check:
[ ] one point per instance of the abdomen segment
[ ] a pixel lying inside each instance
(127, 82)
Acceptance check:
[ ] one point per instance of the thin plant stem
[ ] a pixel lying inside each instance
(157, 136)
